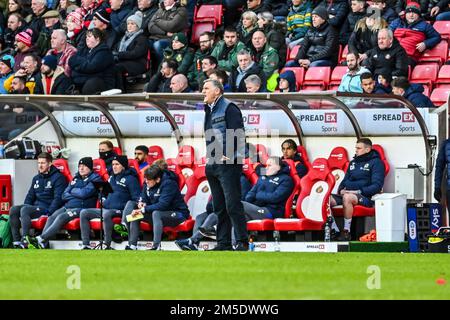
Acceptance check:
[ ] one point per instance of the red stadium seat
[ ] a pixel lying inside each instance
(262, 153)
(117, 151)
(63, 167)
(443, 28)
(439, 96)
(100, 169)
(317, 78)
(336, 77)
(5, 193)
(338, 163)
(198, 190)
(343, 55)
(313, 202)
(154, 153)
(443, 79)
(299, 75)
(186, 156)
(293, 53)
(209, 12)
(249, 171)
(438, 54)
(172, 166)
(200, 27)
(380, 151)
(132, 163)
(425, 74)
(304, 156)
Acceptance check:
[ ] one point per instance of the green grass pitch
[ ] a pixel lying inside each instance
(43, 274)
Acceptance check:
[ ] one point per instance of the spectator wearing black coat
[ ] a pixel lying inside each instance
(102, 22)
(246, 28)
(148, 8)
(160, 82)
(121, 9)
(337, 12)
(93, 66)
(358, 11)
(388, 57)
(132, 51)
(52, 79)
(15, 25)
(246, 68)
(320, 47)
(387, 12)
(413, 92)
(257, 6)
(441, 10)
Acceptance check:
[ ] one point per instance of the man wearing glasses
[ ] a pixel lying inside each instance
(140, 154)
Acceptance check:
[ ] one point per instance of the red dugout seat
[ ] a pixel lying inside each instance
(304, 156)
(317, 78)
(132, 163)
(336, 77)
(5, 193)
(249, 171)
(63, 167)
(154, 153)
(425, 74)
(313, 202)
(117, 151)
(338, 164)
(198, 190)
(439, 96)
(100, 169)
(172, 166)
(268, 224)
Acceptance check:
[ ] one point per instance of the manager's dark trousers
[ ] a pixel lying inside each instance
(224, 181)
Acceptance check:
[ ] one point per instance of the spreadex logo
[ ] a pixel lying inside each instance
(101, 119)
(252, 119)
(403, 117)
(179, 118)
(327, 117)
(315, 246)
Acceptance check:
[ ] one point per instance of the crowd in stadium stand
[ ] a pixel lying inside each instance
(90, 46)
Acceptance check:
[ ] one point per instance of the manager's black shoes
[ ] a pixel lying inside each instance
(221, 248)
(241, 246)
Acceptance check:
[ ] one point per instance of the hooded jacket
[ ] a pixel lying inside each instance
(81, 193)
(272, 192)
(365, 173)
(352, 82)
(164, 196)
(414, 94)
(289, 76)
(46, 190)
(125, 186)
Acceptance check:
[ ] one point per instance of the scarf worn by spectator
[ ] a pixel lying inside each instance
(128, 39)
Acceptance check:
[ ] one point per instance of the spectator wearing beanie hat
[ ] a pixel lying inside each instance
(80, 194)
(126, 187)
(102, 22)
(75, 30)
(414, 34)
(6, 72)
(180, 52)
(131, 56)
(52, 79)
(24, 46)
(320, 46)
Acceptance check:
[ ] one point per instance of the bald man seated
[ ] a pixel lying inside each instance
(179, 84)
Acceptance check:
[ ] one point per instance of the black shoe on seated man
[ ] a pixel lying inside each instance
(209, 232)
(334, 235)
(345, 236)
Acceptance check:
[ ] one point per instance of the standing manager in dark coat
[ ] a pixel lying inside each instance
(225, 150)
